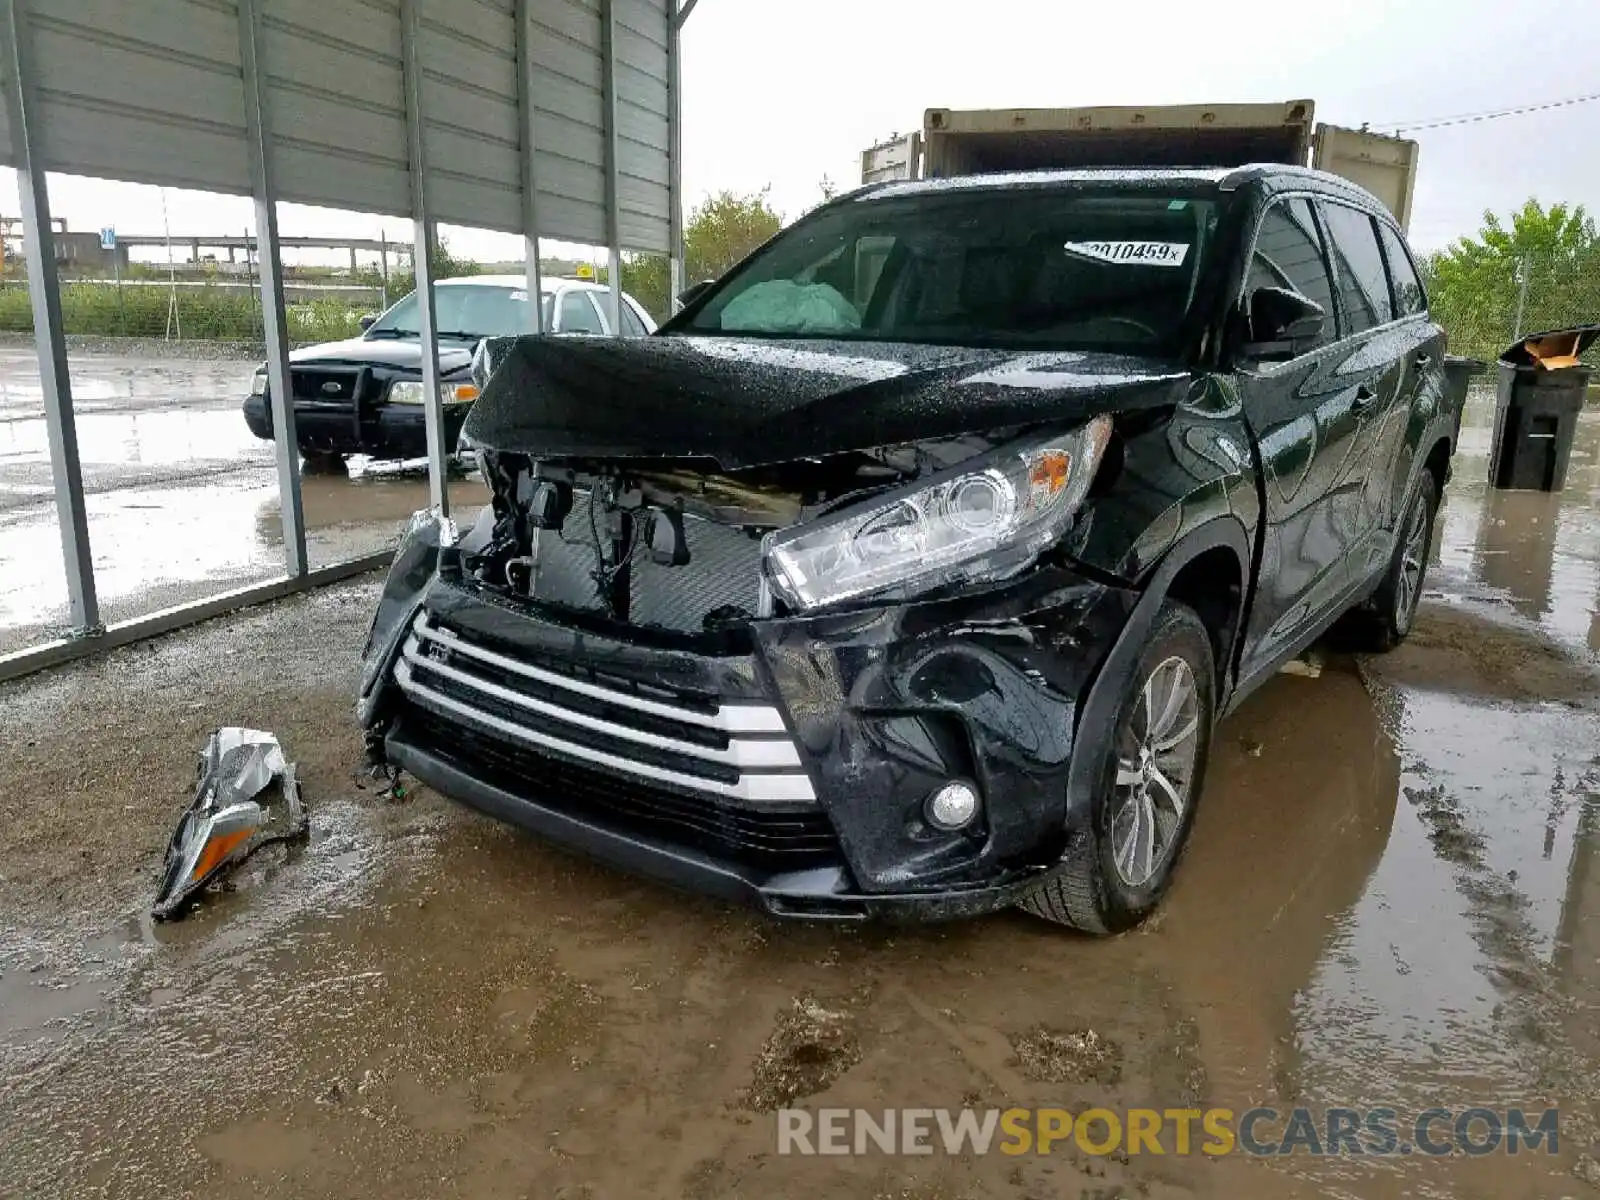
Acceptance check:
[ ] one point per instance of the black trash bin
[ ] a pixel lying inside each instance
(1536, 409)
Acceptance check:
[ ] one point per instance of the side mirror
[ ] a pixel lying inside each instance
(368, 321)
(1283, 323)
(694, 291)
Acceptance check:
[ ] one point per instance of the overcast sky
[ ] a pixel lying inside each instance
(783, 93)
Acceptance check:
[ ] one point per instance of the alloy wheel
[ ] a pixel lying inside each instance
(1157, 749)
(1412, 554)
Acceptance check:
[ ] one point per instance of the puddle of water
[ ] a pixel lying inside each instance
(1463, 912)
(1534, 554)
(112, 446)
(100, 380)
(160, 545)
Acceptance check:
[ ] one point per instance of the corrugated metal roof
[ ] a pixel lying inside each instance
(152, 93)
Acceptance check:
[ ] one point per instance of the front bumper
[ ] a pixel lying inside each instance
(384, 431)
(789, 771)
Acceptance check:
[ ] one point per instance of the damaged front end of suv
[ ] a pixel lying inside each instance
(778, 608)
(837, 684)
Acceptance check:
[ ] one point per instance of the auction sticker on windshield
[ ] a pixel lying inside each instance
(1142, 254)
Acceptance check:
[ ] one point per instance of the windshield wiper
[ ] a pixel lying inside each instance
(461, 334)
(391, 332)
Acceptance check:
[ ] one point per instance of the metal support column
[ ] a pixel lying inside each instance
(608, 52)
(530, 190)
(263, 183)
(675, 265)
(49, 336)
(422, 261)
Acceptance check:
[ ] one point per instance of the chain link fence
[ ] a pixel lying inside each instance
(1489, 304)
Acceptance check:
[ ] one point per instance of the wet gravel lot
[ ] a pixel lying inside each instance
(1391, 900)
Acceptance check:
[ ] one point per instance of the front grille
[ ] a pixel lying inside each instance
(323, 386)
(740, 753)
(724, 571)
(775, 840)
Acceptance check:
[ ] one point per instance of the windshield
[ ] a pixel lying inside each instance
(1084, 269)
(474, 310)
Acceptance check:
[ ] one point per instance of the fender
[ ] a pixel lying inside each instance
(1097, 716)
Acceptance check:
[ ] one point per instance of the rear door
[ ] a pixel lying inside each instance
(1377, 371)
(1300, 413)
(1422, 390)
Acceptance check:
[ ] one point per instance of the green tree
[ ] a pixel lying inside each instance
(1548, 260)
(719, 232)
(648, 279)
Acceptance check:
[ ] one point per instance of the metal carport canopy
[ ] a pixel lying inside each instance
(548, 118)
(151, 92)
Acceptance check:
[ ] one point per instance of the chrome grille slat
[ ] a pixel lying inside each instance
(729, 718)
(742, 753)
(776, 789)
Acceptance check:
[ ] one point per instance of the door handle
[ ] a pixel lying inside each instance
(1365, 396)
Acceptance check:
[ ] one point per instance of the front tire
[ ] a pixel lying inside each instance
(1114, 873)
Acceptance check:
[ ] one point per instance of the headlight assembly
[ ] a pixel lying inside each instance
(258, 382)
(987, 520)
(410, 391)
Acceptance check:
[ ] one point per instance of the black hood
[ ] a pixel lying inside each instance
(744, 402)
(402, 353)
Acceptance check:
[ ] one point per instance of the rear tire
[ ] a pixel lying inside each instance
(1383, 622)
(1113, 874)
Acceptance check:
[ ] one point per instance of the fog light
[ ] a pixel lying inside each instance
(953, 806)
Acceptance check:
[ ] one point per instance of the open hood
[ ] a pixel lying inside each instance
(748, 402)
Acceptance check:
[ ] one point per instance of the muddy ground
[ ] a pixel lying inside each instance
(1390, 900)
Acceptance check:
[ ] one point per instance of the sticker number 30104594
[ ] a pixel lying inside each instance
(1140, 254)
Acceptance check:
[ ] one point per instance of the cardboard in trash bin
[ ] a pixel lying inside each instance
(1553, 350)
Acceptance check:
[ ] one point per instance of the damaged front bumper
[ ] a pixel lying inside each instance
(790, 768)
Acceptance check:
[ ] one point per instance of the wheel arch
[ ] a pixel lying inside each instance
(1196, 557)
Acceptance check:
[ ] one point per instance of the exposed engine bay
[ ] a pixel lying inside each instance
(674, 543)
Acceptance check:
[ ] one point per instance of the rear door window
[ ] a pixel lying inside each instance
(1409, 297)
(1289, 254)
(1363, 284)
(631, 325)
(578, 315)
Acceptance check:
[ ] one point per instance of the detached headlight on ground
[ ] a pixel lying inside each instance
(985, 522)
(409, 391)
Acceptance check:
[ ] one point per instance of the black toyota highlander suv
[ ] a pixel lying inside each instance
(908, 569)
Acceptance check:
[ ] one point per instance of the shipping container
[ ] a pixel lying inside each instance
(984, 141)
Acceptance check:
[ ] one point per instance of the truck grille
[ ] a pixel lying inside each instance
(739, 754)
(724, 570)
(324, 387)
